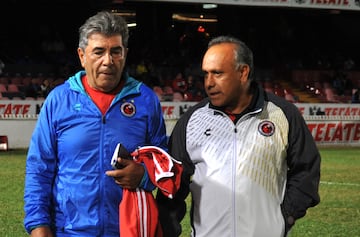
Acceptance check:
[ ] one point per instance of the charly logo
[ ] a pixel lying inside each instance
(207, 132)
(128, 109)
(266, 128)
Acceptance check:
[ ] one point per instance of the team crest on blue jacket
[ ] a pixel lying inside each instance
(266, 128)
(128, 109)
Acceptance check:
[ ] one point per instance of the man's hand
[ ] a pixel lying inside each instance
(129, 176)
(43, 231)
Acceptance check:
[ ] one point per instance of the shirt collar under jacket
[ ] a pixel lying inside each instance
(131, 86)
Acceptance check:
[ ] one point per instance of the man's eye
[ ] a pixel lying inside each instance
(117, 54)
(217, 74)
(98, 53)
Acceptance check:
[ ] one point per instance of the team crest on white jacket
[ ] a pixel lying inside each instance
(128, 109)
(266, 128)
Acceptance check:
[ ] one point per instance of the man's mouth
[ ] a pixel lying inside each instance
(213, 94)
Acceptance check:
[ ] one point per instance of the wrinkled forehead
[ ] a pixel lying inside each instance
(99, 40)
(219, 55)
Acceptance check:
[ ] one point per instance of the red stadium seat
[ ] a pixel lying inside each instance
(159, 92)
(3, 88)
(178, 97)
(13, 88)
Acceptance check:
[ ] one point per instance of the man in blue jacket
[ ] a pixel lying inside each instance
(70, 187)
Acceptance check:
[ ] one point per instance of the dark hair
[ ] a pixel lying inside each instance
(104, 23)
(243, 54)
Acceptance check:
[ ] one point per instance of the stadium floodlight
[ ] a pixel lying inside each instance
(209, 6)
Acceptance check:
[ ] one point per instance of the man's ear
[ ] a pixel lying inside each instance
(82, 57)
(245, 71)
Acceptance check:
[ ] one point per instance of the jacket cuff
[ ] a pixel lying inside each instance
(145, 182)
(288, 218)
(31, 228)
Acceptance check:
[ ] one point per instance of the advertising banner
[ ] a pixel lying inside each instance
(330, 124)
(320, 4)
(173, 110)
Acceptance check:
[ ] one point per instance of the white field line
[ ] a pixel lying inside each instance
(336, 183)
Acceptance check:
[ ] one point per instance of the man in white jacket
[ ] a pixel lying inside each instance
(249, 161)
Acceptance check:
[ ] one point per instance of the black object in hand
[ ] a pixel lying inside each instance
(122, 152)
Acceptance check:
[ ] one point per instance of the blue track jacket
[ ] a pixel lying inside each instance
(71, 147)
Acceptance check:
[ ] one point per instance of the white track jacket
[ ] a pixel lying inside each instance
(246, 178)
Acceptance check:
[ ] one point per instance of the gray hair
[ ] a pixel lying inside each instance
(103, 23)
(243, 54)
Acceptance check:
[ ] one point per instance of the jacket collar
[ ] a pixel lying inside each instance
(131, 85)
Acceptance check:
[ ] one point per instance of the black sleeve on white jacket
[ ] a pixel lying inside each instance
(303, 176)
(172, 211)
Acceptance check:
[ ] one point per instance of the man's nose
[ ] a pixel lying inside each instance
(108, 59)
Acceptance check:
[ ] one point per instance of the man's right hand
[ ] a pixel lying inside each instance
(43, 231)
